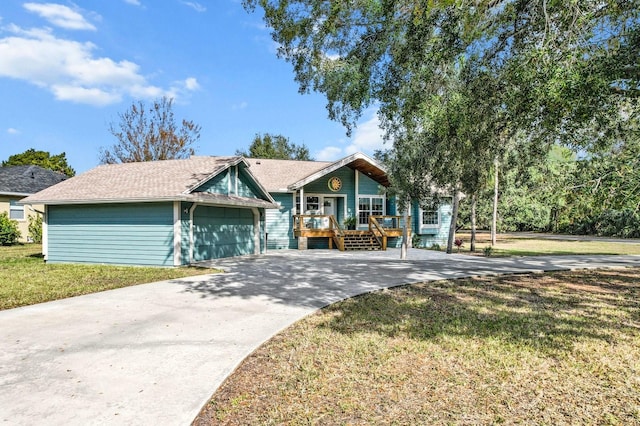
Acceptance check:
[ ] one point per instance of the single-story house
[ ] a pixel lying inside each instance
(18, 182)
(177, 212)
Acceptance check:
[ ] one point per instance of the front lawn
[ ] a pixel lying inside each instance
(26, 279)
(559, 348)
(515, 245)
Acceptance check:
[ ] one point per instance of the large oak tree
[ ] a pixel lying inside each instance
(454, 80)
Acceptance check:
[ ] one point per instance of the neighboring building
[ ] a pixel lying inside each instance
(18, 182)
(177, 212)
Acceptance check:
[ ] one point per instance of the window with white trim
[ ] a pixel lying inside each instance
(311, 205)
(369, 206)
(430, 216)
(16, 211)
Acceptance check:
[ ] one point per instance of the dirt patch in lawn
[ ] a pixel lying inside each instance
(558, 348)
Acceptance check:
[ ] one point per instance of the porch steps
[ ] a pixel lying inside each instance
(360, 240)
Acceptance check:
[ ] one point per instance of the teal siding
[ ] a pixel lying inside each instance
(430, 236)
(221, 183)
(218, 184)
(368, 186)
(185, 240)
(246, 186)
(222, 232)
(321, 186)
(280, 223)
(127, 234)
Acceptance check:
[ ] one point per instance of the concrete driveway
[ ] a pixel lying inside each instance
(155, 353)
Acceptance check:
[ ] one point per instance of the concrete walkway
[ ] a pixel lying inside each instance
(155, 353)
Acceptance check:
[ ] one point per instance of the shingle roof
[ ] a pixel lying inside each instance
(288, 175)
(143, 181)
(26, 180)
(175, 179)
(277, 175)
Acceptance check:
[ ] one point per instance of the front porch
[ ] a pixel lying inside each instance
(380, 229)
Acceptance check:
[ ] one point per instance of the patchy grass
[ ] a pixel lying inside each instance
(559, 348)
(26, 279)
(514, 245)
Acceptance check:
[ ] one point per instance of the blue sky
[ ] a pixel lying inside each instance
(68, 68)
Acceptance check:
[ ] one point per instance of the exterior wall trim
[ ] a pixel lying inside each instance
(177, 234)
(191, 237)
(256, 230)
(45, 233)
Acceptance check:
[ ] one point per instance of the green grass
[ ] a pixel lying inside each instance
(26, 279)
(556, 349)
(519, 246)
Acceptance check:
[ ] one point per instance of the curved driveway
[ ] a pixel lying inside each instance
(154, 353)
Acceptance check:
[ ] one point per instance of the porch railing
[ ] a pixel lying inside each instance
(326, 226)
(383, 227)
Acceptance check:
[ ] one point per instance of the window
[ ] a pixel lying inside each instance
(312, 205)
(369, 206)
(16, 211)
(430, 216)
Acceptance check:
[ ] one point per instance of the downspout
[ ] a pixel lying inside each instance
(191, 237)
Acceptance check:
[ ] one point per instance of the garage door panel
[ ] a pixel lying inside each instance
(222, 232)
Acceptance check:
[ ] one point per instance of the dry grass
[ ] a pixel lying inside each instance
(556, 349)
(515, 245)
(26, 279)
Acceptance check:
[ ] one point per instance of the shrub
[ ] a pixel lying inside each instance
(35, 228)
(487, 251)
(416, 240)
(9, 232)
(435, 246)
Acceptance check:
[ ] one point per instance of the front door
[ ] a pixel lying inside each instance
(329, 206)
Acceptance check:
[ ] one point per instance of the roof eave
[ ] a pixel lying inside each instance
(58, 202)
(333, 167)
(16, 194)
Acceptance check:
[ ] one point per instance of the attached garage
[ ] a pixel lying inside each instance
(160, 213)
(223, 232)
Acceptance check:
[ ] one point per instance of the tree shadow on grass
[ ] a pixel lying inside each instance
(546, 313)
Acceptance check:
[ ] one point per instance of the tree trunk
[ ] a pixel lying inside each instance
(405, 233)
(494, 219)
(454, 220)
(474, 201)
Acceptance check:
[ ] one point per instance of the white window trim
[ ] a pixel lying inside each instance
(430, 225)
(17, 208)
(370, 197)
(321, 198)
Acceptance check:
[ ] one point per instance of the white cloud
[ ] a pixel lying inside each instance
(329, 153)
(70, 71)
(91, 96)
(195, 6)
(191, 84)
(13, 131)
(133, 2)
(60, 15)
(367, 137)
(241, 105)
